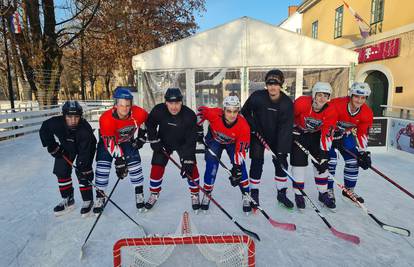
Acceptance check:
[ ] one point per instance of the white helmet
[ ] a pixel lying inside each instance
(321, 87)
(358, 88)
(231, 101)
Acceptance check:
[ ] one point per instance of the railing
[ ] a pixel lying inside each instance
(398, 112)
(15, 123)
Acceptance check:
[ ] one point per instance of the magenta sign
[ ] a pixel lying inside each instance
(383, 50)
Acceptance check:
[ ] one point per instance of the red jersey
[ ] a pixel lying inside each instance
(115, 131)
(238, 133)
(347, 123)
(311, 121)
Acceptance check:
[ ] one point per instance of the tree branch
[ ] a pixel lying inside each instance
(84, 26)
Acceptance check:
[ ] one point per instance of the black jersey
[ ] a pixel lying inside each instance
(80, 141)
(176, 132)
(273, 120)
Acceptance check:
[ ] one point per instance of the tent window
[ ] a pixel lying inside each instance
(315, 29)
(339, 16)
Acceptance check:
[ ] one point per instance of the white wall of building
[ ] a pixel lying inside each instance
(293, 23)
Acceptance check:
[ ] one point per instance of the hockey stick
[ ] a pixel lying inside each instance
(105, 195)
(284, 226)
(250, 233)
(382, 175)
(387, 227)
(99, 216)
(348, 237)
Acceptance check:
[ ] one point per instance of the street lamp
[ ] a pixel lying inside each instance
(6, 9)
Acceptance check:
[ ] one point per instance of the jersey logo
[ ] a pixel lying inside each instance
(343, 125)
(126, 133)
(222, 138)
(312, 123)
(272, 109)
(172, 124)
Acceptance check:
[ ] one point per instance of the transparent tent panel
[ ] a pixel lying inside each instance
(337, 77)
(257, 81)
(156, 83)
(211, 87)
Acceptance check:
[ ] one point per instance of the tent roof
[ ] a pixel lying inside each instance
(244, 42)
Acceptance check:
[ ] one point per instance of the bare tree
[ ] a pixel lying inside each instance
(43, 39)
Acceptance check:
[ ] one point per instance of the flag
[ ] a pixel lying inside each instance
(15, 23)
(363, 26)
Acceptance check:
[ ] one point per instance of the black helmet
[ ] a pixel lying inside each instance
(274, 77)
(72, 107)
(173, 95)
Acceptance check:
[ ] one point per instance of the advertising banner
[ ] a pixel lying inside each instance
(378, 132)
(401, 135)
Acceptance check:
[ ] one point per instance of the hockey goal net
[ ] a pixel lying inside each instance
(223, 250)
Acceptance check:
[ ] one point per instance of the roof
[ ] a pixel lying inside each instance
(244, 42)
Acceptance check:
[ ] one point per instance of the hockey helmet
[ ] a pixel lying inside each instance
(275, 77)
(358, 88)
(173, 95)
(231, 101)
(321, 87)
(72, 107)
(122, 93)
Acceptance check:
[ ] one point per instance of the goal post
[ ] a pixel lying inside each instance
(223, 249)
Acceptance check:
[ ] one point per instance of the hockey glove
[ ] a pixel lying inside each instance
(137, 143)
(187, 167)
(56, 151)
(281, 160)
(121, 167)
(323, 159)
(236, 175)
(364, 159)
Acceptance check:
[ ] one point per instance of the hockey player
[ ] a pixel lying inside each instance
(76, 140)
(354, 120)
(172, 126)
(269, 112)
(122, 134)
(315, 121)
(230, 131)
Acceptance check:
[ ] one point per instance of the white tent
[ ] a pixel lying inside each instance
(242, 45)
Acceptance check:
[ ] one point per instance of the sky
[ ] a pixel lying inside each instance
(222, 11)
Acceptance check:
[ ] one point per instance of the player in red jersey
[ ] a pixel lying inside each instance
(228, 131)
(354, 120)
(122, 133)
(315, 121)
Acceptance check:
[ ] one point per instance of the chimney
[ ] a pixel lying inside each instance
(292, 10)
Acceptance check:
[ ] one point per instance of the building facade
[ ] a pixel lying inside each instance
(386, 56)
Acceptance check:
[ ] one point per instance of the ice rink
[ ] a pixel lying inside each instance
(32, 236)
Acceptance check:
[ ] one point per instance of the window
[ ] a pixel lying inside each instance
(315, 29)
(377, 16)
(377, 11)
(339, 16)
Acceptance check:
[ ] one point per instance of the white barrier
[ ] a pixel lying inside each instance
(14, 124)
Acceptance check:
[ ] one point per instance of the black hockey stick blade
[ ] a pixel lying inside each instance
(247, 232)
(390, 228)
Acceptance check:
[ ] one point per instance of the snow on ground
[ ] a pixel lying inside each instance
(32, 236)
